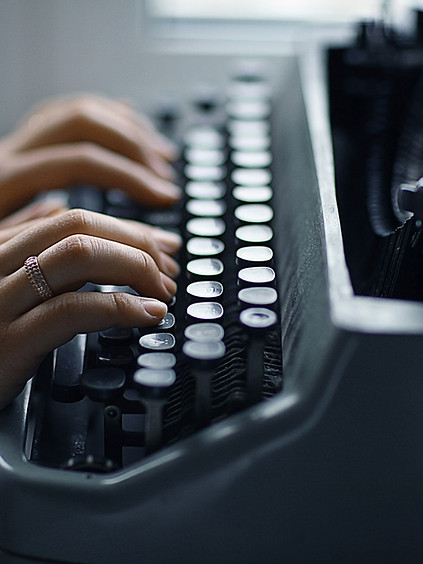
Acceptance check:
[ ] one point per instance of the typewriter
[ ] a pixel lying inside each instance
(274, 414)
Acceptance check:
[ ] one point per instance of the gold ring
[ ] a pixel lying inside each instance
(36, 278)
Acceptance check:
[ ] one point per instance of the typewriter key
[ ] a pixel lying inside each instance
(251, 176)
(209, 267)
(167, 322)
(248, 128)
(205, 310)
(251, 159)
(205, 190)
(102, 384)
(257, 321)
(258, 90)
(115, 336)
(256, 275)
(254, 143)
(206, 226)
(152, 387)
(205, 173)
(205, 289)
(254, 213)
(205, 246)
(115, 356)
(204, 357)
(254, 255)
(252, 194)
(157, 360)
(206, 208)
(204, 138)
(157, 342)
(204, 332)
(258, 296)
(205, 157)
(254, 234)
(248, 109)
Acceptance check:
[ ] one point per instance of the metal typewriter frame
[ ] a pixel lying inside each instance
(329, 470)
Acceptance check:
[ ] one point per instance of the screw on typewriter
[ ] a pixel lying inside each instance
(152, 387)
(105, 385)
(257, 321)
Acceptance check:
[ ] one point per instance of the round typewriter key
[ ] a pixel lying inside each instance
(205, 190)
(205, 310)
(259, 296)
(209, 267)
(157, 341)
(251, 159)
(204, 351)
(251, 176)
(102, 384)
(206, 226)
(154, 381)
(204, 138)
(254, 143)
(157, 360)
(207, 157)
(257, 321)
(204, 332)
(152, 387)
(205, 173)
(263, 275)
(247, 128)
(254, 254)
(115, 356)
(205, 289)
(205, 246)
(204, 357)
(206, 208)
(254, 213)
(167, 322)
(249, 109)
(115, 336)
(258, 318)
(259, 90)
(252, 194)
(254, 233)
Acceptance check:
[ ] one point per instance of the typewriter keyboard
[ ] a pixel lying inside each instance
(109, 399)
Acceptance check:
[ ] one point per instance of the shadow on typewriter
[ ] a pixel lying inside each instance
(275, 415)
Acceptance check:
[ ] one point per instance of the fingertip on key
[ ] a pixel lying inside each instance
(154, 308)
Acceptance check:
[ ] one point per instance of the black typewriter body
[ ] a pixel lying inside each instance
(323, 463)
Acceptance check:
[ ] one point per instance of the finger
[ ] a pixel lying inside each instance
(69, 314)
(79, 259)
(96, 121)
(35, 210)
(43, 234)
(63, 166)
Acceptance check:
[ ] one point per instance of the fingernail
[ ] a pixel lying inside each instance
(154, 308)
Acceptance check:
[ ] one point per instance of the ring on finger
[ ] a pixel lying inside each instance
(36, 278)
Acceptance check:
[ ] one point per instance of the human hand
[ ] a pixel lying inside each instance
(73, 248)
(86, 139)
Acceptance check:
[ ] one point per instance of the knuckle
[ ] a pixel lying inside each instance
(77, 247)
(80, 111)
(77, 221)
(87, 153)
(121, 303)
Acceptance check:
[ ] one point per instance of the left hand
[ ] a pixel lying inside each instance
(86, 139)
